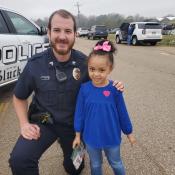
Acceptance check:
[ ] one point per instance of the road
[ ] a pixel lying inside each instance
(148, 73)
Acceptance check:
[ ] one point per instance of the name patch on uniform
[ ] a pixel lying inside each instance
(45, 77)
(76, 73)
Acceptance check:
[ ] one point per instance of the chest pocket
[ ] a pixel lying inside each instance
(47, 93)
(67, 98)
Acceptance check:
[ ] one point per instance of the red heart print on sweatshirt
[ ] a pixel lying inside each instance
(106, 93)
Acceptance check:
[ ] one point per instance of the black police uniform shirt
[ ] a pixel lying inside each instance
(58, 98)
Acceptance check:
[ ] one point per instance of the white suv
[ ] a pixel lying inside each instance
(20, 38)
(144, 32)
(82, 31)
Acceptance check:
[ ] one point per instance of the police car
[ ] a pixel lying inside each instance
(20, 38)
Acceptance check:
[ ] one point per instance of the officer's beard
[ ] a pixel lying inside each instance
(64, 51)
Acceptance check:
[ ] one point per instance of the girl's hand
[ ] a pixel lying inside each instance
(119, 85)
(76, 142)
(131, 139)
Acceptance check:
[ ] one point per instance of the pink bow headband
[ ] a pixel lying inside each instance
(105, 47)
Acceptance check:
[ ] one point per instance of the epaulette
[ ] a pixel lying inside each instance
(79, 55)
(37, 56)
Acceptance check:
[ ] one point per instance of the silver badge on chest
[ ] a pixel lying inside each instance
(76, 73)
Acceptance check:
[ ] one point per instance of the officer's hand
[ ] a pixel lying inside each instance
(30, 131)
(119, 85)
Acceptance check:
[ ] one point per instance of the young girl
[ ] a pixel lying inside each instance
(101, 113)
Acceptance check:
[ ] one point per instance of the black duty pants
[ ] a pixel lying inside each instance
(26, 153)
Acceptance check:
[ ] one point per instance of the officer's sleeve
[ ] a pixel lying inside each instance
(125, 122)
(79, 112)
(25, 83)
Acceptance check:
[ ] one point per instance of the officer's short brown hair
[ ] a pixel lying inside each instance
(63, 13)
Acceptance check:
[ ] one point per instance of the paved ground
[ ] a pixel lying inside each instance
(149, 77)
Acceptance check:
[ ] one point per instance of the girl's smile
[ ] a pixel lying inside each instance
(99, 68)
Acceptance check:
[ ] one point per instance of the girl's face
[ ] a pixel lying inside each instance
(99, 67)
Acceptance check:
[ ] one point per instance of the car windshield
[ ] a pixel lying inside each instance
(101, 28)
(149, 26)
(84, 28)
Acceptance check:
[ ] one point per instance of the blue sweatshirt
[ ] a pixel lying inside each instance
(101, 115)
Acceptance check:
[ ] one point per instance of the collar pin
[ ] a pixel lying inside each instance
(51, 63)
(73, 63)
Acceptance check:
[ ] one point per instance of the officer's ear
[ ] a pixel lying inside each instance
(48, 33)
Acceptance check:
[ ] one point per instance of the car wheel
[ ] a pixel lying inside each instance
(134, 41)
(118, 41)
(153, 43)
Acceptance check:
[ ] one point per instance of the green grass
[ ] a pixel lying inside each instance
(168, 40)
(111, 37)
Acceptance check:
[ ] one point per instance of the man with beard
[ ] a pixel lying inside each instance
(54, 76)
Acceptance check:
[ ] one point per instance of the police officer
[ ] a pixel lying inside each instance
(54, 76)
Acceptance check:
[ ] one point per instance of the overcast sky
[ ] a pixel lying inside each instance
(43, 8)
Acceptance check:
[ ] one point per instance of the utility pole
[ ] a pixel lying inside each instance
(78, 7)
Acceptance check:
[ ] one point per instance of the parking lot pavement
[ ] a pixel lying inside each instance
(168, 50)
